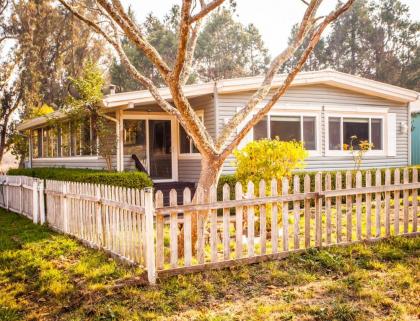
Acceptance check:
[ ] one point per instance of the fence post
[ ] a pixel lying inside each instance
(64, 207)
(98, 210)
(150, 239)
(41, 202)
(35, 204)
(20, 195)
(6, 186)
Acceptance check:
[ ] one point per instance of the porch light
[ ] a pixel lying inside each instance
(403, 127)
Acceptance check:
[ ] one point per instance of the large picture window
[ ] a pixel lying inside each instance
(288, 128)
(37, 143)
(67, 139)
(186, 144)
(344, 132)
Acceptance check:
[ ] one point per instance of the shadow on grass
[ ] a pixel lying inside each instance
(16, 231)
(42, 274)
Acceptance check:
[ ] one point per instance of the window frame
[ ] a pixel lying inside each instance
(301, 114)
(94, 153)
(361, 115)
(191, 155)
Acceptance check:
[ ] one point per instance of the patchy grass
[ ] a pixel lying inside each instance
(48, 276)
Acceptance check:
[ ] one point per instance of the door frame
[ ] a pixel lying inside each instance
(174, 140)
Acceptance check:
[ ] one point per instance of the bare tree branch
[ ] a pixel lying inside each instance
(314, 39)
(192, 43)
(117, 46)
(118, 6)
(184, 30)
(130, 30)
(206, 10)
(304, 29)
(184, 113)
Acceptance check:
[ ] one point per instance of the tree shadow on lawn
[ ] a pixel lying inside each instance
(42, 273)
(359, 282)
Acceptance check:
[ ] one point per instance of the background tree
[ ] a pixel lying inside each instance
(376, 40)
(52, 46)
(10, 100)
(225, 49)
(44, 45)
(228, 49)
(10, 87)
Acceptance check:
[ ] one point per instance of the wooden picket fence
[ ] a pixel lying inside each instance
(23, 195)
(269, 221)
(246, 225)
(107, 217)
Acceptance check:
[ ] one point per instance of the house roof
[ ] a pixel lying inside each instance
(225, 86)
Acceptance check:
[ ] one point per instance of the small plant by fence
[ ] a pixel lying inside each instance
(250, 224)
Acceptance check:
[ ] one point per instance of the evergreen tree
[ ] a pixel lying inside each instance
(225, 49)
(52, 45)
(376, 40)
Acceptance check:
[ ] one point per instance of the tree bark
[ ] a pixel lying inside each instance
(211, 168)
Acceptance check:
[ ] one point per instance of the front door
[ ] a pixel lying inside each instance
(160, 149)
(151, 139)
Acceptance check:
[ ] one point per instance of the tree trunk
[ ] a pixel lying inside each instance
(209, 176)
(2, 142)
(210, 173)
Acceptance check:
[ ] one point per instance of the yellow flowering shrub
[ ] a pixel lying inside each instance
(267, 159)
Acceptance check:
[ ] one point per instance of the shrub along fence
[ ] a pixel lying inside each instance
(251, 224)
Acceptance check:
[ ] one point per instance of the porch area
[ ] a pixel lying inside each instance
(155, 143)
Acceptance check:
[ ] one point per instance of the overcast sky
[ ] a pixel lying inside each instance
(274, 18)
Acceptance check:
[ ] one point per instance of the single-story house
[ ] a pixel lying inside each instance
(322, 108)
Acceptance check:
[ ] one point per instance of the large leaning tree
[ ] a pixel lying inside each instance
(113, 22)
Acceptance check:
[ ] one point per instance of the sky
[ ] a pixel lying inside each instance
(274, 18)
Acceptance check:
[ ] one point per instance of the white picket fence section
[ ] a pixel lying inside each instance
(108, 217)
(269, 221)
(250, 224)
(23, 195)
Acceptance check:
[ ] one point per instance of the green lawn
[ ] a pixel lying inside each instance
(47, 276)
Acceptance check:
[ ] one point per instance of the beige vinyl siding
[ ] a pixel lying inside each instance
(70, 162)
(323, 95)
(189, 170)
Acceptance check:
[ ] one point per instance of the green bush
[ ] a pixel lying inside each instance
(123, 179)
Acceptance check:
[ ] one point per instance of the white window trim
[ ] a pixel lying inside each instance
(303, 111)
(362, 114)
(200, 113)
(84, 158)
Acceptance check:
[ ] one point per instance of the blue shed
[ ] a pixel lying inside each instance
(415, 139)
